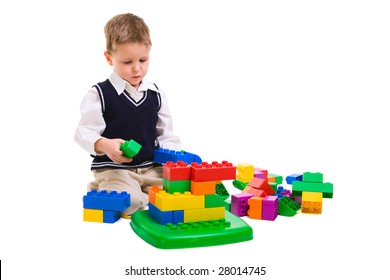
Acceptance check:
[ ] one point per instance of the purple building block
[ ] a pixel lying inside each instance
(270, 208)
(239, 206)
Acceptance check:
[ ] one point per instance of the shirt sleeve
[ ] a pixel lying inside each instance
(167, 139)
(92, 123)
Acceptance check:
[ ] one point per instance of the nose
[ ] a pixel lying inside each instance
(136, 67)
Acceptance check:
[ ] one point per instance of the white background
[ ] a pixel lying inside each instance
(289, 86)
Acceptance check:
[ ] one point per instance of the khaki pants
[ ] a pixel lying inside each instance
(136, 182)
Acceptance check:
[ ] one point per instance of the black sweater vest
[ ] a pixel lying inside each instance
(127, 119)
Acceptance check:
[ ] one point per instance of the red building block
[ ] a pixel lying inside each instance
(212, 171)
(176, 171)
(254, 191)
(261, 184)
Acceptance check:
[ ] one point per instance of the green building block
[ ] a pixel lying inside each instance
(180, 186)
(228, 205)
(274, 186)
(130, 148)
(213, 200)
(287, 207)
(239, 184)
(325, 188)
(231, 229)
(278, 178)
(221, 191)
(313, 177)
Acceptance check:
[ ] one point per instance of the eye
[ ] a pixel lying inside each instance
(143, 60)
(127, 62)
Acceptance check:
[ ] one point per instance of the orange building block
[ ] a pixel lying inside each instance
(152, 194)
(203, 188)
(255, 210)
(311, 202)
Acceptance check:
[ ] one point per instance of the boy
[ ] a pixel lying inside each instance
(124, 107)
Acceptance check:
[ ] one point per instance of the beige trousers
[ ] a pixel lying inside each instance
(136, 182)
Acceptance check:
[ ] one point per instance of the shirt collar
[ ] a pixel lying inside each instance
(120, 85)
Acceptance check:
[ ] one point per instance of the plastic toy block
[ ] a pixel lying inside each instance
(105, 200)
(213, 171)
(240, 204)
(325, 188)
(203, 188)
(261, 184)
(254, 191)
(228, 205)
(176, 171)
(287, 207)
(255, 207)
(260, 173)
(130, 148)
(270, 208)
(221, 191)
(176, 186)
(178, 216)
(271, 179)
(162, 217)
(312, 202)
(205, 214)
(273, 185)
(190, 158)
(164, 155)
(111, 217)
(245, 172)
(152, 194)
(230, 230)
(93, 215)
(178, 201)
(213, 200)
(239, 185)
(313, 177)
(275, 178)
(293, 177)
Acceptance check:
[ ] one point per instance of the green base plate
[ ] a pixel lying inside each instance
(232, 229)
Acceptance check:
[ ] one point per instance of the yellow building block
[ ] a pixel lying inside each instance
(203, 188)
(255, 210)
(311, 202)
(178, 201)
(93, 215)
(245, 172)
(205, 214)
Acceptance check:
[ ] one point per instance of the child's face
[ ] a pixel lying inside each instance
(130, 61)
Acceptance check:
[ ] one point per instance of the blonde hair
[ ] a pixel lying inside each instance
(124, 28)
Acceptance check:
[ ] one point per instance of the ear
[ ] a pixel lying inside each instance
(108, 58)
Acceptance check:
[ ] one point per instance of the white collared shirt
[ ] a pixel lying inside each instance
(92, 124)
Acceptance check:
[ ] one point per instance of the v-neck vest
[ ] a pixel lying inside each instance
(128, 119)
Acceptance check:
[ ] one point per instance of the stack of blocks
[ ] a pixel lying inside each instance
(257, 199)
(104, 206)
(189, 192)
(312, 189)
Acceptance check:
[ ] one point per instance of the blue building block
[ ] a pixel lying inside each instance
(162, 217)
(104, 200)
(111, 216)
(178, 216)
(293, 177)
(163, 155)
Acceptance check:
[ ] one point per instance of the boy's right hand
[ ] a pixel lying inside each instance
(111, 147)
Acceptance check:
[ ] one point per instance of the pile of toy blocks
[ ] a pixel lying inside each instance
(104, 206)
(263, 197)
(189, 192)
